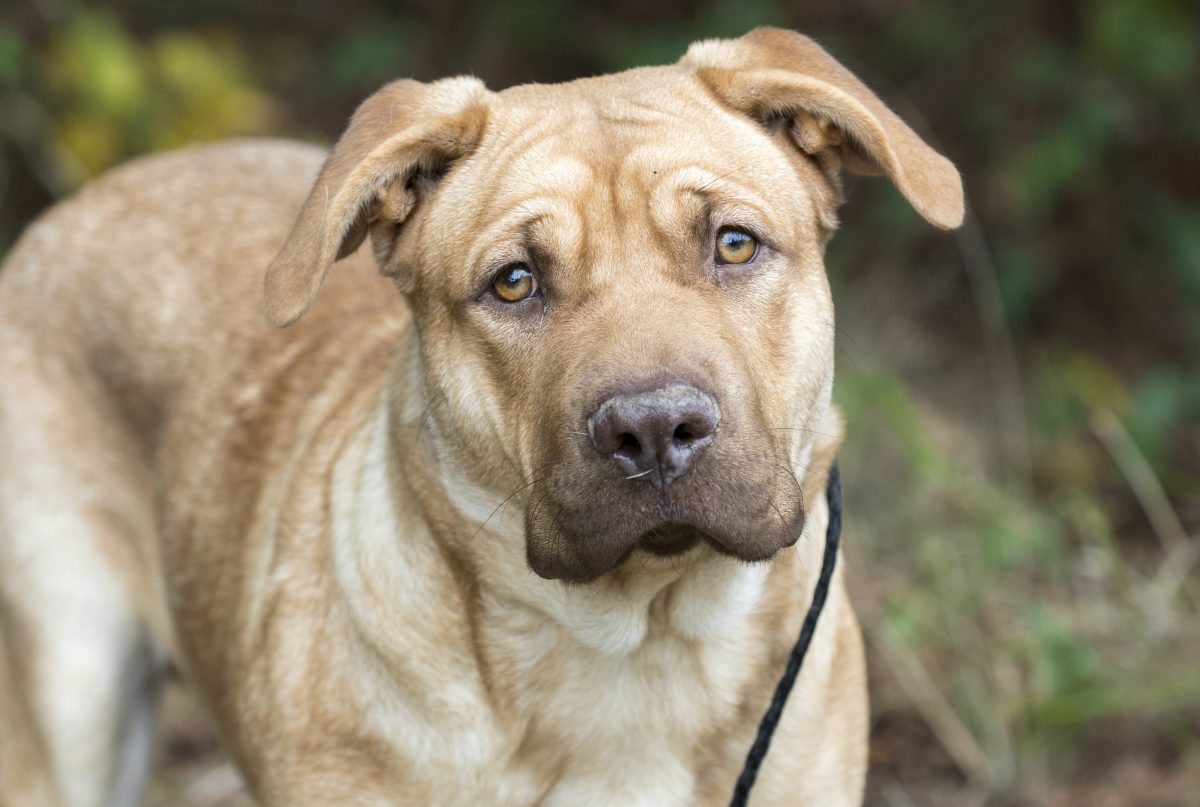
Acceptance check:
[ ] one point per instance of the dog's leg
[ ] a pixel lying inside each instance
(24, 777)
(78, 708)
(79, 719)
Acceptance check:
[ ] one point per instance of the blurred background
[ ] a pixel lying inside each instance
(1023, 396)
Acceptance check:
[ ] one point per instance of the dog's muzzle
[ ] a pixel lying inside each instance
(662, 470)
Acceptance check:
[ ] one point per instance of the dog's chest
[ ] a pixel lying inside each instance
(632, 727)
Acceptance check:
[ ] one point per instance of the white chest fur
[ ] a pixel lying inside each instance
(618, 690)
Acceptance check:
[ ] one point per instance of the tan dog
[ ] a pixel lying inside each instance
(484, 541)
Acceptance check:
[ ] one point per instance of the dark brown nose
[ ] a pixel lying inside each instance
(656, 434)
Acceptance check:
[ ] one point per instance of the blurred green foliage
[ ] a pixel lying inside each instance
(1029, 595)
(1038, 623)
(118, 98)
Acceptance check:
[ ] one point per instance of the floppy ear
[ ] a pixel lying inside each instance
(404, 129)
(771, 74)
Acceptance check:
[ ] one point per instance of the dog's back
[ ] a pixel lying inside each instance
(110, 332)
(110, 280)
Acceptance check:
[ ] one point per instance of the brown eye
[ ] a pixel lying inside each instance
(735, 246)
(515, 283)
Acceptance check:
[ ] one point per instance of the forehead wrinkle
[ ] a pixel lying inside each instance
(524, 218)
(505, 158)
(685, 199)
(645, 187)
(530, 128)
(558, 237)
(635, 111)
(494, 165)
(565, 176)
(738, 164)
(606, 227)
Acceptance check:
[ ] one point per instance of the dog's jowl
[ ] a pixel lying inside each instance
(506, 488)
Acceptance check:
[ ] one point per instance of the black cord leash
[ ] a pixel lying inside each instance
(758, 751)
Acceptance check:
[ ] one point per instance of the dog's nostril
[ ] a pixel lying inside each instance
(684, 434)
(630, 445)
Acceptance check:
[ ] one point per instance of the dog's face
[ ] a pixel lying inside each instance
(618, 283)
(623, 283)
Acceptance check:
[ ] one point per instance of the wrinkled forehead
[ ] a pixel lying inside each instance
(648, 150)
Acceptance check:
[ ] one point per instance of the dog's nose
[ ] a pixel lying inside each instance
(656, 434)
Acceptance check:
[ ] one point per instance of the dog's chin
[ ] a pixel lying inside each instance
(668, 540)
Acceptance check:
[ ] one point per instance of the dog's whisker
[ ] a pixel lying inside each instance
(779, 513)
(643, 473)
(499, 506)
(641, 561)
(801, 500)
(421, 426)
(792, 474)
(801, 429)
(712, 181)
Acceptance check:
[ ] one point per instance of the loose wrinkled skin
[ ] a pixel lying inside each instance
(381, 543)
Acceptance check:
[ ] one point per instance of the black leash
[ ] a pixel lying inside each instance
(754, 759)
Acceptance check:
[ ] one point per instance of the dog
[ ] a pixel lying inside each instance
(522, 505)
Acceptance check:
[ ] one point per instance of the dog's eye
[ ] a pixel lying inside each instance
(735, 246)
(515, 283)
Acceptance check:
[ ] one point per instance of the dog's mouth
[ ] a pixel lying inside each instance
(582, 525)
(669, 539)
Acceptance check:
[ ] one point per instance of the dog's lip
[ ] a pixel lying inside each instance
(670, 538)
(666, 540)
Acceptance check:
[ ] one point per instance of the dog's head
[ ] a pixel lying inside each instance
(618, 282)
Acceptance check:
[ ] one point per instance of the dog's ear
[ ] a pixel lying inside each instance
(405, 130)
(775, 75)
